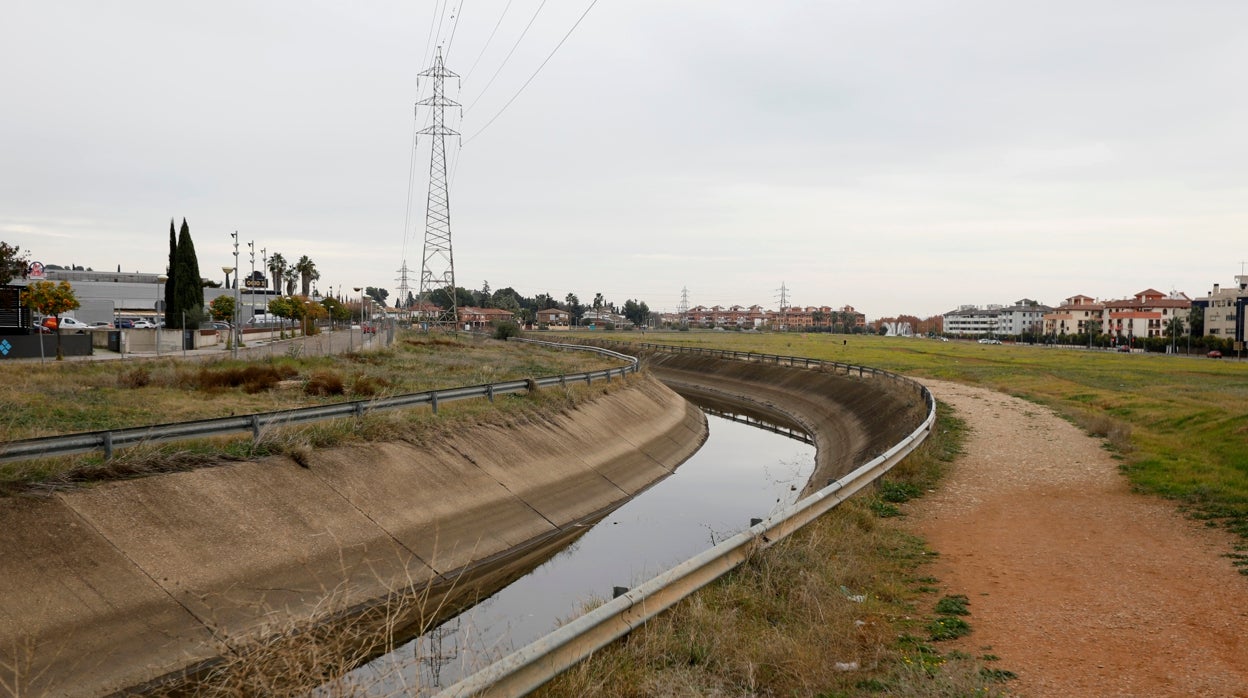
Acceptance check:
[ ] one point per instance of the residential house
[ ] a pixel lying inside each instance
(554, 317)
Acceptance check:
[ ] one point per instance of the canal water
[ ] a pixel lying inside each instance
(741, 472)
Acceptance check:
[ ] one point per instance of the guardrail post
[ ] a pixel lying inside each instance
(489, 392)
(108, 445)
(563, 380)
(255, 427)
(589, 380)
(433, 400)
(608, 375)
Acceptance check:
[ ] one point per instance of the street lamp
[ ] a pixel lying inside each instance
(160, 283)
(229, 270)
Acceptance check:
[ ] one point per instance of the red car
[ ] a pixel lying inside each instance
(1215, 354)
(368, 329)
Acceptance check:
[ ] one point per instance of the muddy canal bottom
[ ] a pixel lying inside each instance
(742, 472)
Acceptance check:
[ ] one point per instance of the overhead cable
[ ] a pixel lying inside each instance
(539, 69)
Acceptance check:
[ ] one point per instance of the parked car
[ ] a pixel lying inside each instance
(368, 328)
(143, 325)
(1215, 354)
(40, 329)
(220, 326)
(989, 341)
(101, 325)
(1124, 349)
(68, 324)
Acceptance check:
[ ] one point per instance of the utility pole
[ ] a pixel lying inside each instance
(684, 306)
(251, 285)
(437, 270)
(238, 331)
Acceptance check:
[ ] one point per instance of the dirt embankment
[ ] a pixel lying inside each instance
(108, 587)
(851, 418)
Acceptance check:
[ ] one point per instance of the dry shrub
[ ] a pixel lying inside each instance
(324, 383)
(1116, 432)
(253, 378)
(367, 386)
(137, 377)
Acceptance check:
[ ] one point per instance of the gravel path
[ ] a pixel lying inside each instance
(1079, 586)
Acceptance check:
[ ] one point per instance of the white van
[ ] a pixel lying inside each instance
(263, 320)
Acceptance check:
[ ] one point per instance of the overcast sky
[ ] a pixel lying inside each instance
(900, 157)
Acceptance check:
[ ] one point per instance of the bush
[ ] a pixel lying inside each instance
(324, 383)
(505, 328)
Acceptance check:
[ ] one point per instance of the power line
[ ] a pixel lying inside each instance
(508, 57)
(497, 24)
(534, 75)
(459, 12)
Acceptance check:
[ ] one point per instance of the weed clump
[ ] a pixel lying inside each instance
(137, 377)
(252, 378)
(324, 383)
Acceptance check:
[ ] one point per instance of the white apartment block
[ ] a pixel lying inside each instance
(1225, 310)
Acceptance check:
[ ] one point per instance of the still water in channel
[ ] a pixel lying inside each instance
(740, 473)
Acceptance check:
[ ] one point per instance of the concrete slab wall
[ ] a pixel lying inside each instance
(108, 587)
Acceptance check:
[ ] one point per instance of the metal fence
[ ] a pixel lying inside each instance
(109, 441)
(530, 667)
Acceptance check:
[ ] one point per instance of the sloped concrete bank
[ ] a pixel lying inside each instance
(118, 585)
(851, 418)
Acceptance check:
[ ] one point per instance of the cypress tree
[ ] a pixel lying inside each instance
(170, 269)
(188, 293)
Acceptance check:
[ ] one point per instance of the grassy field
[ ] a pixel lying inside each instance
(47, 399)
(1179, 425)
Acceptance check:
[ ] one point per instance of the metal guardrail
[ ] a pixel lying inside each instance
(108, 441)
(533, 665)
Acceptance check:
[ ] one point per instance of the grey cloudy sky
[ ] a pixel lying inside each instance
(901, 157)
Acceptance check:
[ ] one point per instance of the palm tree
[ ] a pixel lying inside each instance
(306, 269)
(291, 277)
(277, 267)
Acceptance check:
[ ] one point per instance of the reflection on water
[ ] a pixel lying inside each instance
(741, 472)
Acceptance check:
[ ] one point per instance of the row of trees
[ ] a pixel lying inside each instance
(303, 272)
(525, 308)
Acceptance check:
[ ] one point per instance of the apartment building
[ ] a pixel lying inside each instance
(973, 320)
(1145, 315)
(1073, 316)
(1225, 309)
(1026, 316)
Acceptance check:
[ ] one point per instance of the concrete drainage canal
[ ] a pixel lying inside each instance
(748, 467)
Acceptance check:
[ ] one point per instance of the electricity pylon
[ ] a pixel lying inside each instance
(437, 271)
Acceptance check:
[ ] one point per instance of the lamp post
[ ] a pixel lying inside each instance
(229, 270)
(360, 290)
(160, 283)
(238, 331)
(251, 290)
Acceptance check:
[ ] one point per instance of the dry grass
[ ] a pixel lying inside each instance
(839, 609)
(43, 400)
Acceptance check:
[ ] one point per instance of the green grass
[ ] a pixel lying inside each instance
(1179, 425)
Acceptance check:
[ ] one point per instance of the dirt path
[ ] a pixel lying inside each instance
(1079, 586)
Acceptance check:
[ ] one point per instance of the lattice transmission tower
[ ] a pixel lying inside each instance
(784, 306)
(683, 308)
(437, 270)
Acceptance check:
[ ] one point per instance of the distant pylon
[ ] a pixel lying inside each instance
(684, 306)
(784, 306)
(437, 269)
(405, 290)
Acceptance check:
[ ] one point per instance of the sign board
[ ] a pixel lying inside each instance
(35, 271)
(256, 283)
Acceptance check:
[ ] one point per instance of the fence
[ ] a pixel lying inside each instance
(534, 665)
(108, 441)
